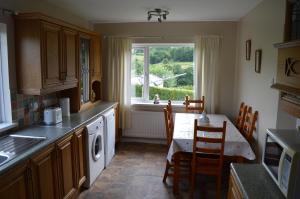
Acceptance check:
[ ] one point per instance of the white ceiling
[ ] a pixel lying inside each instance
(135, 10)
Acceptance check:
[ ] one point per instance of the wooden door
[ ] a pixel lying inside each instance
(44, 174)
(67, 167)
(51, 55)
(80, 142)
(70, 57)
(14, 183)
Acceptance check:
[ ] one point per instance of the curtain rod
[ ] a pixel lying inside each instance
(134, 37)
(158, 37)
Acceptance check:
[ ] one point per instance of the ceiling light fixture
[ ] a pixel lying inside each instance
(159, 13)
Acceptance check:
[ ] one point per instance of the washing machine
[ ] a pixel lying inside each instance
(95, 157)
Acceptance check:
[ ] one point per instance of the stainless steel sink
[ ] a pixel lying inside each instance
(14, 145)
(3, 158)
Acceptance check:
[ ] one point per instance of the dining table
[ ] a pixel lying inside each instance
(236, 147)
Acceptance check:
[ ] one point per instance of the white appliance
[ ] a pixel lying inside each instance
(52, 115)
(95, 150)
(110, 135)
(281, 158)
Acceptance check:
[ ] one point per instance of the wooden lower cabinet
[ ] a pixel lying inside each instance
(57, 172)
(117, 127)
(13, 184)
(80, 157)
(234, 191)
(67, 167)
(44, 174)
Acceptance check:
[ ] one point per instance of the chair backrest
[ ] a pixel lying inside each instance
(249, 124)
(241, 117)
(194, 105)
(169, 122)
(209, 140)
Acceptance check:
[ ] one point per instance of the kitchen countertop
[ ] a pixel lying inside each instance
(255, 182)
(54, 133)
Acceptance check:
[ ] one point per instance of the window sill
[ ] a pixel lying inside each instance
(6, 126)
(149, 106)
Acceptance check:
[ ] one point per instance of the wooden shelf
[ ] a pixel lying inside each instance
(289, 44)
(287, 89)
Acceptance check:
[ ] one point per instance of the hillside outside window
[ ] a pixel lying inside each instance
(163, 69)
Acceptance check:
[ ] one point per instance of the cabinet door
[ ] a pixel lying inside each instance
(70, 57)
(117, 133)
(96, 58)
(13, 184)
(44, 174)
(96, 72)
(233, 189)
(66, 167)
(51, 55)
(80, 156)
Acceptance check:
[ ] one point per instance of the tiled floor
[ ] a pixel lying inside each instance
(136, 173)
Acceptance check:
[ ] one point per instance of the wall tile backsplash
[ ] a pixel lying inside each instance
(23, 110)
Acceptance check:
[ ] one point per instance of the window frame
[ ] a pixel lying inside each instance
(145, 46)
(5, 100)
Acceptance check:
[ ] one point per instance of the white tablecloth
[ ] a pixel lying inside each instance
(235, 143)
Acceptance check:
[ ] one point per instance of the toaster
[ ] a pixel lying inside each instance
(52, 115)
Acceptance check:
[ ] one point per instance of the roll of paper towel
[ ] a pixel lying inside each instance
(65, 106)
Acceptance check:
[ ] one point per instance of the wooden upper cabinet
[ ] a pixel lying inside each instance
(46, 54)
(96, 68)
(51, 55)
(70, 55)
(13, 184)
(66, 155)
(96, 59)
(44, 174)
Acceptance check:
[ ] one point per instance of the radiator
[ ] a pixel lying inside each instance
(146, 124)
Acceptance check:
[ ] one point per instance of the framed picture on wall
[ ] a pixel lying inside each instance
(248, 49)
(258, 54)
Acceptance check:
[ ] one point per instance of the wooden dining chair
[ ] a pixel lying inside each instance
(249, 125)
(241, 117)
(208, 159)
(185, 158)
(194, 105)
(169, 122)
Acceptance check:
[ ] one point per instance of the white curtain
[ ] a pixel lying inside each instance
(118, 76)
(207, 50)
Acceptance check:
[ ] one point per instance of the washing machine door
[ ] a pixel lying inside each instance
(97, 147)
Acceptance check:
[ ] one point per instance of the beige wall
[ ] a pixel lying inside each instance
(176, 32)
(264, 26)
(46, 8)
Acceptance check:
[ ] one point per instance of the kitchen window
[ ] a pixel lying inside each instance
(5, 102)
(166, 70)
